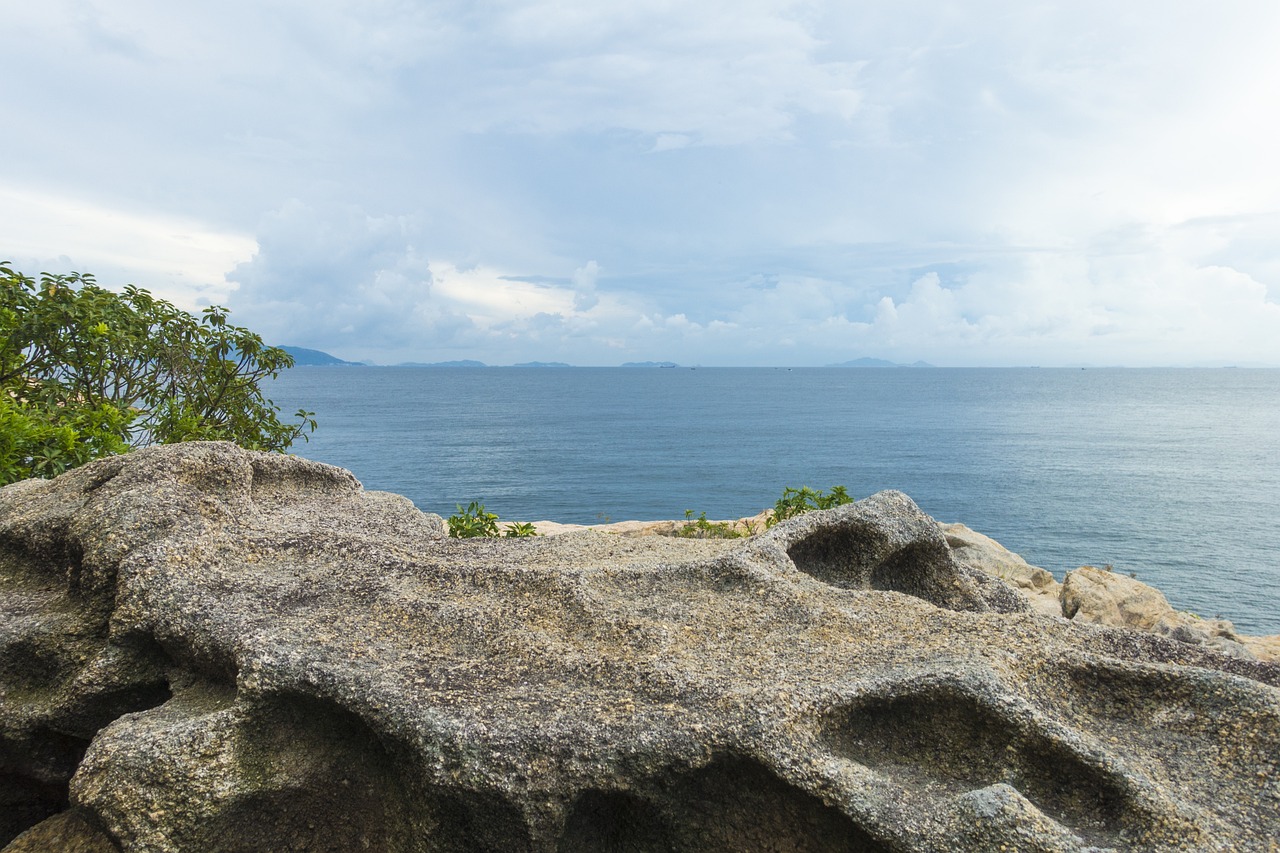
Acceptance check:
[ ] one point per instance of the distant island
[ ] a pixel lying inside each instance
(466, 362)
(878, 362)
(315, 358)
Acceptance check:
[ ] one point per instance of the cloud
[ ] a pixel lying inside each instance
(718, 182)
(338, 277)
(1054, 308)
(671, 142)
(584, 285)
(715, 72)
(177, 258)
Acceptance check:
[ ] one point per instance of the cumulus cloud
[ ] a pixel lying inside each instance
(338, 277)
(1064, 309)
(177, 258)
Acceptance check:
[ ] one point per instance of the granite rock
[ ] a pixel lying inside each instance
(208, 649)
(986, 554)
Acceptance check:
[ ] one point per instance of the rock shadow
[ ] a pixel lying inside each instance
(1180, 724)
(56, 698)
(857, 556)
(732, 804)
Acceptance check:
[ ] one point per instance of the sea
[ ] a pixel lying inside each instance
(1171, 475)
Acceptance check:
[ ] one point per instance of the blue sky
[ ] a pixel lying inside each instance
(737, 183)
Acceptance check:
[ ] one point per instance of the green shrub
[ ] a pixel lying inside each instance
(476, 522)
(799, 501)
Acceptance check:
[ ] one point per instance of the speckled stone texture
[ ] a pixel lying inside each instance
(207, 649)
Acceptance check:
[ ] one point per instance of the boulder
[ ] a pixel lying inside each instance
(987, 555)
(208, 649)
(1102, 597)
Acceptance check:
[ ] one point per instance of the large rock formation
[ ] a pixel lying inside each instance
(206, 649)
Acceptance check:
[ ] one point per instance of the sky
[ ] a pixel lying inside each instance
(755, 182)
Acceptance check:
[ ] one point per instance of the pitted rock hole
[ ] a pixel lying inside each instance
(1185, 720)
(844, 556)
(474, 822)
(36, 765)
(25, 801)
(731, 805)
(277, 483)
(608, 821)
(946, 742)
(857, 556)
(313, 776)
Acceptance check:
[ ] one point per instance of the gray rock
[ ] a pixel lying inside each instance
(207, 649)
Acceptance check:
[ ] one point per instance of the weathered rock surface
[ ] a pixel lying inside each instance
(1098, 597)
(986, 554)
(205, 649)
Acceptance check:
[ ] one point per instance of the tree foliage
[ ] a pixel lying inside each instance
(86, 372)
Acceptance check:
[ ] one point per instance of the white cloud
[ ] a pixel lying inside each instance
(584, 285)
(718, 72)
(337, 276)
(178, 259)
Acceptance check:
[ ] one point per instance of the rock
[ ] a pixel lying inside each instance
(987, 555)
(207, 649)
(66, 832)
(1104, 598)
(1101, 597)
(1262, 648)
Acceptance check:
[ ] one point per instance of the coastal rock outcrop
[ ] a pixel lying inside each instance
(208, 649)
(986, 554)
(1090, 594)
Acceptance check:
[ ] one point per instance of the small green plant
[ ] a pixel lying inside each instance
(799, 501)
(700, 528)
(520, 529)
(473, 522)
(477, 522)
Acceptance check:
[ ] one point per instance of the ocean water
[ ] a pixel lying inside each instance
(1173, 475)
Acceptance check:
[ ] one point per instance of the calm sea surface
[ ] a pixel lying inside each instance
(1172, 474)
